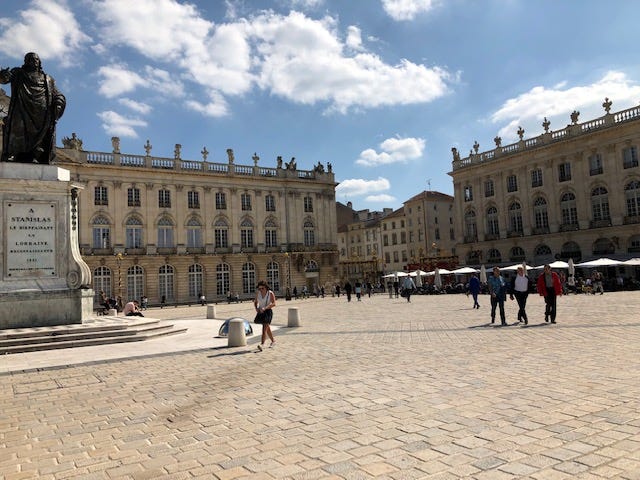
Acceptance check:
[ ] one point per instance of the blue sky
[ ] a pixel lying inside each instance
(382, 89)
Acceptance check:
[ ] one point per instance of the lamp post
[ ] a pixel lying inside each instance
(119, 263)
(287, 293)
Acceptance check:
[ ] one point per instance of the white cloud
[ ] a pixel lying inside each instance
(393, 150)
(300, 59)
(138, 107)
(118, 80)
(556, 103)
(382, 198)
(359, 186)
(407, 9)
(47, 27)
(354, 38)
(303, 60)
(120, 126)
(216, 107)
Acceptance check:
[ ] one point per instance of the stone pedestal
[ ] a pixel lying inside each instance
(237, 336)
(43, 279)
(293, 317)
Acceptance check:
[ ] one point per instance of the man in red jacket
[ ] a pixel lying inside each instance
(549, 287)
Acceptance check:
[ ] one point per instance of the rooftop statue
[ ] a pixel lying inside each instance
(35, 107)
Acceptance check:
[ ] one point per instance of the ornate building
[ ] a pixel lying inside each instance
(570, 193)
(171, 229)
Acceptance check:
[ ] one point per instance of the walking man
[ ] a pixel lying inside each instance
(498, 291)
(550, 288)
(520, 290)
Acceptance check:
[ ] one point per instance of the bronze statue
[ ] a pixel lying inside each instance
(35, 107)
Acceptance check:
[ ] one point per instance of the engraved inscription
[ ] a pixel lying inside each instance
(31, 240)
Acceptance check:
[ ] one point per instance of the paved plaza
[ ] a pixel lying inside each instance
(380, 388)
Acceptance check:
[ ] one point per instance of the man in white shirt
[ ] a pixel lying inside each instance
(520, 290)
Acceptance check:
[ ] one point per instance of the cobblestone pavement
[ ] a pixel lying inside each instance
(373, 389)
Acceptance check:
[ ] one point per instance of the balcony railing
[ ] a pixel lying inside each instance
(540, 230)
(605, 222)
(569, 227)
(470, 238)
(628, 219)
(515, 233)
(491, 236)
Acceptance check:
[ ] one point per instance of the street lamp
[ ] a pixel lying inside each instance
(287, 293)
(119, 257)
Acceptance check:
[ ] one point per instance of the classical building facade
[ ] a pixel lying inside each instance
(359, 244)
(430, 230)
(171, 229)
(418, 235)
(570, 193)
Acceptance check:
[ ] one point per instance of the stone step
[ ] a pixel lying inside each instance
(70, 336)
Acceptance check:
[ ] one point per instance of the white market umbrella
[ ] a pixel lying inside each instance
(571, 267)
(632, 262)
(483, 274)
(513, 268)
(395, 274)
(464, 270)
(558, 264)
(600, 262)
(418, 273)
(437, 280)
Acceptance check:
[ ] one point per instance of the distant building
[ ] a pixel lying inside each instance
(430, 230)
(569, 193)
(171, 228)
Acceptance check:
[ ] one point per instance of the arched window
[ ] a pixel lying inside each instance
(223, 279)
(600, 204)
(165, 233)
(133, 232)
(603, 246)
(194, 233)
(273, 276)
(541, 217)
(515, 218)
(632, 197)
(568, 209)
(492, 222)
(196, 286)
(270, 234)
(517, 254)
(165, 283)
(571, 250)
(102, 282)
(493, 256)
(542, 254)
(473, 257)
(470, 227)
(101, 232)
(634, 244)
(311, 266)
(135, 283)
(246, 233)
(221, 234)
(309, 233)
(248, 278)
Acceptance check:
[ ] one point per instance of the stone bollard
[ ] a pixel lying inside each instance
(293, 318)
(211, 311)
(237, 336)
(113, 312)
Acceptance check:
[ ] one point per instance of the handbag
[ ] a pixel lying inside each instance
(259, 318)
